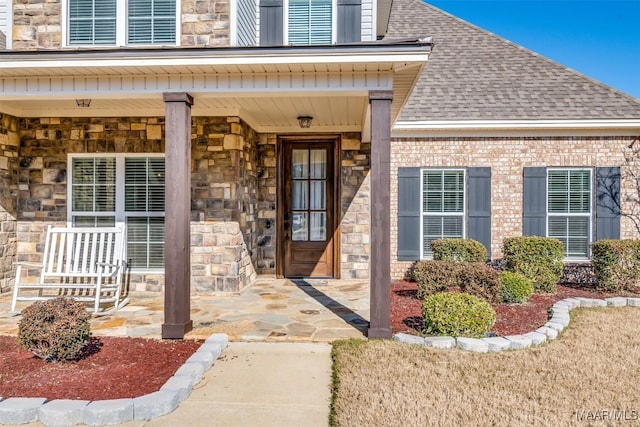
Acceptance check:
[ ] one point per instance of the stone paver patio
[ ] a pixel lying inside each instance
(270, 310)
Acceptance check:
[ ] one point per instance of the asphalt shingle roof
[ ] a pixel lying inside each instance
(473, 74)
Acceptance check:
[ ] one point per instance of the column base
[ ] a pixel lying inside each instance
(176, 330)
(382, 333)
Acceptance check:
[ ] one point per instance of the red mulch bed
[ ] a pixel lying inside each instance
(512, 319)
(114, 368)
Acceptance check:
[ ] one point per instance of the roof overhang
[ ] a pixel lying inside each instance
(515, 128)
(267, 87)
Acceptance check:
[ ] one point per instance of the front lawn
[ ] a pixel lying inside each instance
(591, 370)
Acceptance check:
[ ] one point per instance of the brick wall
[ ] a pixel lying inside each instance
(9, 142)
(506, 157)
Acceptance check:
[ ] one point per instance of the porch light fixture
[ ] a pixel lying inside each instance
(84, 103)
(305, 121)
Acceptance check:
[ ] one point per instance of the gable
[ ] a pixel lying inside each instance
(473, 74)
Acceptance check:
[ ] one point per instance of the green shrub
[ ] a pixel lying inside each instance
(480, 280)
(468, 250)
(515, 287)
(435, 276)
(616, 264)
(538, 258)
(57, 329)
(457, 315)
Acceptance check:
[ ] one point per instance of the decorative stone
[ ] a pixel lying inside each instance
(62, 412)
(222, 339)
(553, 325)
(616, 302)
(20, 410)
(633, 302)
(472, 344)
(408, 339)
(154, 404)
(107, 412)
(497, 344)
(213, 348)
(551, 334)
(181, 385)
(205, 358)
(575, 303)
(518, 341)
(440, 342)
(536, 337)
(192, 370)
(563, 320)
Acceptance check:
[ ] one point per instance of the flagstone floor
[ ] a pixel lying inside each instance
(269, 310)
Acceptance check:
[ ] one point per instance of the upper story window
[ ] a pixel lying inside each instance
(120, 22)
(309, 22)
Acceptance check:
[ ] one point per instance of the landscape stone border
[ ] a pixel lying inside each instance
(63, 412)
(548, 332)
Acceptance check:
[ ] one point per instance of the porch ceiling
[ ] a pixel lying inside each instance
(268, 89)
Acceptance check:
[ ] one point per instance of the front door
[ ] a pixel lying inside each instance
(308, 215)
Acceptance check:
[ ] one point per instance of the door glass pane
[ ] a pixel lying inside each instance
(318, 164)
(299, 227)
(318, 195)
(300, 164)
(318, 227)
(299, 190)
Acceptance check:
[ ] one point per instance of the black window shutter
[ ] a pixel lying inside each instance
(409, 198)
(271, 23)
(479, 202)
(607, 203)
(534, 202)
(349, 21)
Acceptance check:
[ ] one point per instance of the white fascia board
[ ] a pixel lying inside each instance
(430, 128)
(212, 60)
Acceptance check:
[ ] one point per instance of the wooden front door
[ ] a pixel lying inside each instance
(308, 214)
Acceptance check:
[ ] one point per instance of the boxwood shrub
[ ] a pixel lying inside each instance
(515, 287)
(468, 250)
(55, 330)
(479, 279)
(538, 258)
(457, 314)
(616, 264)
(435, 276)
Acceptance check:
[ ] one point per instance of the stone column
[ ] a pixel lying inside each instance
(177, 264)
(380, 264)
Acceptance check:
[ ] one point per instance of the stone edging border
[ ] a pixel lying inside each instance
(549, 331)
(66, 412)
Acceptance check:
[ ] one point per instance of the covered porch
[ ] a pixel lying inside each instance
(220, 120)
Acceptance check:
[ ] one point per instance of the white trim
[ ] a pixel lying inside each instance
(424, 214)
(9, 34)
(438, 128)
(589, 215)
(233, 23)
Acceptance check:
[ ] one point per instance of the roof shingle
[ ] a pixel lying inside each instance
(473, 74)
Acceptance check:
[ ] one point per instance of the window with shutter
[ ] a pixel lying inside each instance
(310, 22)
(151, 21)
(128, 190)
(443, 206)
(92, 22)
(569, 209)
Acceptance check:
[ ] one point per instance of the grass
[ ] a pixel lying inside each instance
(593, 366)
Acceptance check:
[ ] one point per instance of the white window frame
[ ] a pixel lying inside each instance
(120, 214)
(424, 214)
(590, 215)
(285, 24)
(122, 25)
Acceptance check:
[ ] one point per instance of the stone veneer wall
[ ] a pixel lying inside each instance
(354, 205)
(506, 157)
(9, 142)
(37, 24)
(223, 185)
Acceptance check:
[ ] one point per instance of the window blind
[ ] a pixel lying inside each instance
(92, 22)
(310, 22)
(151, 21)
